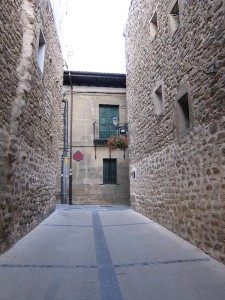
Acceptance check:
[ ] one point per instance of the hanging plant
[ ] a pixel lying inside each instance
(117, 142)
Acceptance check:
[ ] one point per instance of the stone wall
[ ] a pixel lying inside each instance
(30, 108)
(176, 111)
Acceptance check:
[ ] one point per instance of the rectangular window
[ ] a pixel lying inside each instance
(109, 171)
(183, 114)
(106, 127)
(153, 25)
(175, 17)
(41, 52)
(158, 100)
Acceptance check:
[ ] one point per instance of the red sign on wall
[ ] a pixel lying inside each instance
(78, 156)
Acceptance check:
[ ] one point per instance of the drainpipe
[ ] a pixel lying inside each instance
(62, 180)
(64, 164)
(65, 131)
(94, 137)
(71, 146)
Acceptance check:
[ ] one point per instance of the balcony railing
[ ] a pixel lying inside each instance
(102, 132)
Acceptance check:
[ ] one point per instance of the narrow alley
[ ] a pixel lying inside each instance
(108, 253)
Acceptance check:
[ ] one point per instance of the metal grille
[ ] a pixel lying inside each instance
(109, 171)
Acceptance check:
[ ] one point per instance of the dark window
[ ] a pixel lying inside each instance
(109, 171)
(184, 115)
(153, 26)
(41, 52)
(158, 100)
(175, 17)
(106, 127)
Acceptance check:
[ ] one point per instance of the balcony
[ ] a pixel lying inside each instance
(103, 132)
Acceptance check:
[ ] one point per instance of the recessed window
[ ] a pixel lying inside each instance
(175, 17)
(153, 25)
(41, 52)
(109, 171)
(158, 100)
(183, 114)
(106, 127)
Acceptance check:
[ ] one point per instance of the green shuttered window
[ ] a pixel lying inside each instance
(106, 127)
(109, 171)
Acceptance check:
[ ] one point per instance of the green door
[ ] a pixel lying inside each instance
(106, 127)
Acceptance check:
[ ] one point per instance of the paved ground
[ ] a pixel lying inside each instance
(108, 253)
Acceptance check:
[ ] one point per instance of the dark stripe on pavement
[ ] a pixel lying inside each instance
(109, 286)
(65, 225)
(164, 262)
(25, 266)
(128, 224)
(90, 226)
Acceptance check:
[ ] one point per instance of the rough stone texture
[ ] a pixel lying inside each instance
(29, 117)
(87, 186)
(179, 179)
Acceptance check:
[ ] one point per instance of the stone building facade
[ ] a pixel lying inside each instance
(175, 56)
(30, 111)
(96, 98)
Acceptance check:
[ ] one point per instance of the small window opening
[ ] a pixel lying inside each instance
(175, 17)
(158, 101)
(41, 52)
(184, 114)
(109, 171)
(153, 25)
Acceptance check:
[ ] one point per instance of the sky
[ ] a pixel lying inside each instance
(93, 35)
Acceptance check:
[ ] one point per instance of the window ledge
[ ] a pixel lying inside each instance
(109, 184)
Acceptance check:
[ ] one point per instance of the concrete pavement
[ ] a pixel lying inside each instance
(108, 253)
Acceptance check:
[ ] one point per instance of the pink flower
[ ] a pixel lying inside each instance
(117, 142)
